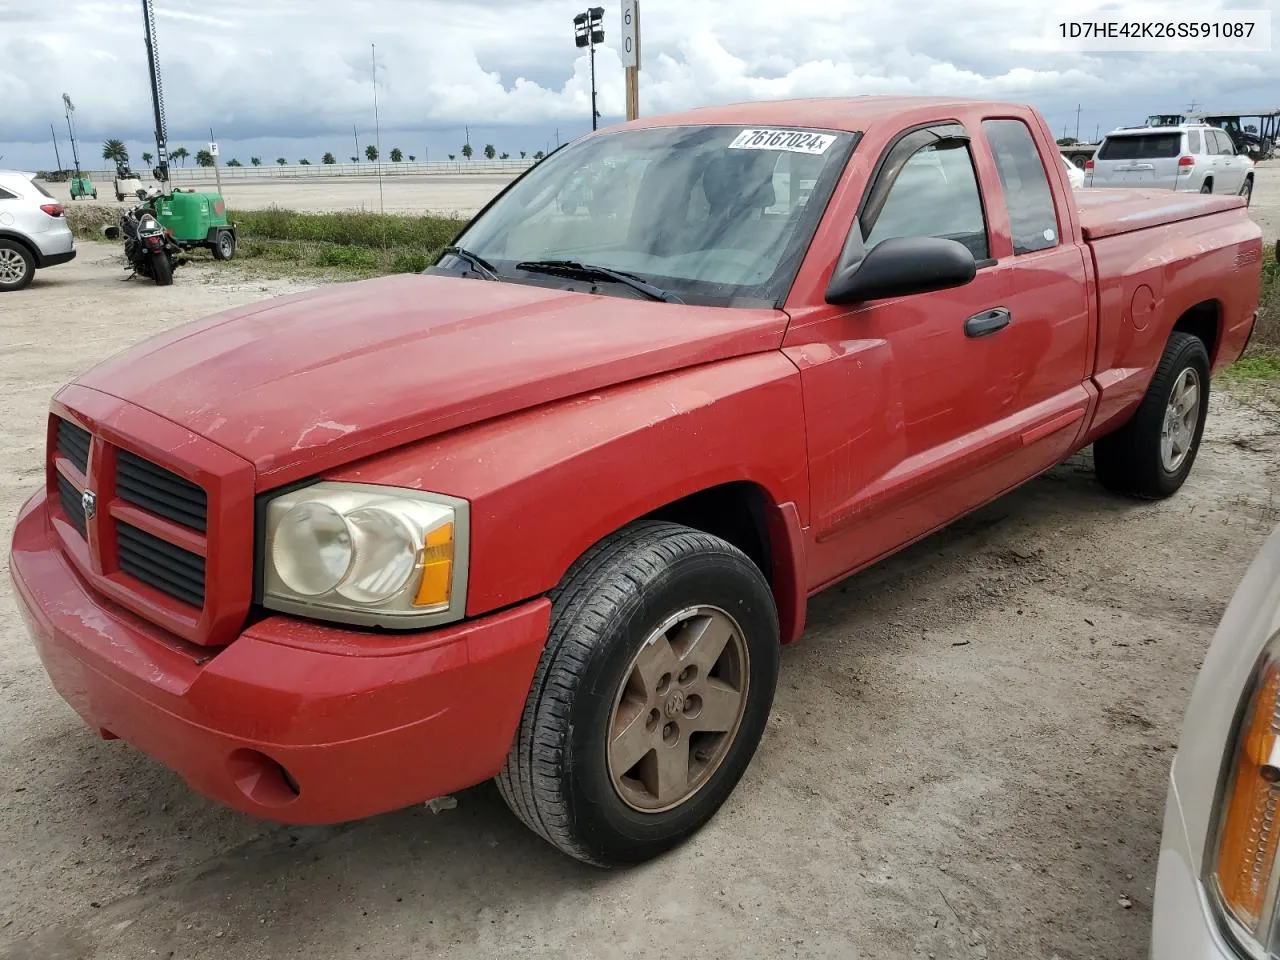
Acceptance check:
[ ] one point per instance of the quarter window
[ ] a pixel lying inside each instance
(1193, 142)
(6, 195)
(934, 195)
(1032, 218)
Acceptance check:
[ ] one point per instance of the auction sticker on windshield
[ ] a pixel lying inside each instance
(792, 141)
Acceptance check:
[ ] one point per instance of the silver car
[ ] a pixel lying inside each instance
(1191, 157)
(33, 230)
(1217, 893)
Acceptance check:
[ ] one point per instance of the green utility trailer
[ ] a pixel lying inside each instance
(197, 220)
(82, 187)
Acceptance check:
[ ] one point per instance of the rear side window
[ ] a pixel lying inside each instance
(1193, 142)
(1032, 218)
(6, 195)
(1143, 146)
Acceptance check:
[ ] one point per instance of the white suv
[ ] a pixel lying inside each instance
(1192, 157)
(33, 230)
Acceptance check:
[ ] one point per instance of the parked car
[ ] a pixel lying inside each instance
(1075, 175)
(547, 512)
(34, 233)
(1216, 879)
(1196, 158)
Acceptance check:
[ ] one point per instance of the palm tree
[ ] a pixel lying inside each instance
(505, 156)
(452, 155)
(355, 159)
(114, 150)
(146, 158)
(304, 162)
(328, 158)
(522, 154)
(396, 155)
(181, 155)
(466, 151)
(371, 152)
(256, 161)
(281, 160)
(489, 151)
(204, 158)
(233, 162)
(412, 158)
(539, 155)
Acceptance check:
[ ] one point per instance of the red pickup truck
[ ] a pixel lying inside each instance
(547, 512)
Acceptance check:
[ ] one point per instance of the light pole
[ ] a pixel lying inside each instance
(588, 30)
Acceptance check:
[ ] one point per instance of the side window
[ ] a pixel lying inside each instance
(1225, 145)
(935, 195)
(1032, 218)
(6, 195)
(1193, 142)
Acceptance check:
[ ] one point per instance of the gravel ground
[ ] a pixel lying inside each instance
(464, 195)
(967, 755)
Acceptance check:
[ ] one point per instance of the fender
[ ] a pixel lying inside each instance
(547, 483)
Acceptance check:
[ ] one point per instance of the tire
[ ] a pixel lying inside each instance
(559, 778)
(161, 269)
(119, 197)
(1206, 187)
(17, 266)
(1132, 460)
(1246, 190)
(224, 246)
(1079, 160)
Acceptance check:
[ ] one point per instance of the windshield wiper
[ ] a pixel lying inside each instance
(477, 262)
(587, 271)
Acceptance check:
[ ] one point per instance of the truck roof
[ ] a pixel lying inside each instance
(849, 114)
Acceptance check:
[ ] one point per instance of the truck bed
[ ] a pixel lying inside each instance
(1106, 212)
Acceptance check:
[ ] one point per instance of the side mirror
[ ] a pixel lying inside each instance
(902, 266)
(111, 232)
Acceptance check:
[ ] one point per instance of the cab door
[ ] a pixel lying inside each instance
(923, 407)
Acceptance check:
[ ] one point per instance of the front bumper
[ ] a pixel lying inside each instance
(293, 721)
(1182, 924)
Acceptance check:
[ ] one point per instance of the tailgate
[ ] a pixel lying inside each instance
(1105, 213)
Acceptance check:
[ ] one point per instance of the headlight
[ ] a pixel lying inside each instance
(1244, 876)
(368, 555)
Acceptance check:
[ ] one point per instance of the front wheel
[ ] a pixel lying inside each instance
(1246, 190)
(651, 696)
(161, 269)
(1151, 455)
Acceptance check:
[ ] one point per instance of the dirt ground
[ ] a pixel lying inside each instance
(464, 195)
(967, 755)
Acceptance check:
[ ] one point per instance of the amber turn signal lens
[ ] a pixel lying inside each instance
(1250, 832)
(437, 568)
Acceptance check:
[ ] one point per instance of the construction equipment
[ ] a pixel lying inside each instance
(81, 186)
(190, 218)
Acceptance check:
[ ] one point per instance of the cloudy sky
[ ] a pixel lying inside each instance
(292, 77)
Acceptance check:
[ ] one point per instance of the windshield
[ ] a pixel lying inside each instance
(712, 214)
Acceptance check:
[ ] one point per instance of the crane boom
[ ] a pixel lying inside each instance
(157, 94)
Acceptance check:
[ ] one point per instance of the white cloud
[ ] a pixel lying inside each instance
(301, 68)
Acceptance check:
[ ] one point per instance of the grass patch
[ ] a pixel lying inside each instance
(352, 229)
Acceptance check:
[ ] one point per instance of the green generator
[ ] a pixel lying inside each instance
(197, 220)
(83, 187)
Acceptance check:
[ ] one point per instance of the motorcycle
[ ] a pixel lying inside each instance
(149, 250)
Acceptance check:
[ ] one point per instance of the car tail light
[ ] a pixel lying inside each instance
(1088, 164)
(1186, 161)
(52, 209)
(1248, 835)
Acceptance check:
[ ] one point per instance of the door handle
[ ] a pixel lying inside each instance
(986, 323)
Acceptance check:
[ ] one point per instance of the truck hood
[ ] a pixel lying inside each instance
(303, 383)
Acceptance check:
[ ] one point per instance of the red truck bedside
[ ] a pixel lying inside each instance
(547, 512)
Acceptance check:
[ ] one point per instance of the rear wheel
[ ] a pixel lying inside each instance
(1246, 190)
(161, 269)
(224, 245)
(17, 266)
(650, 698)
(1151, 455)
(1206, 187)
